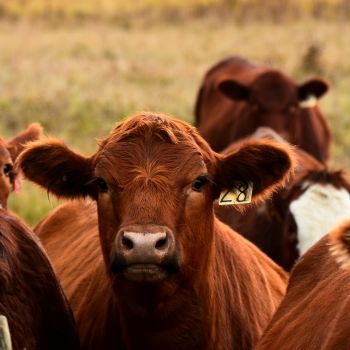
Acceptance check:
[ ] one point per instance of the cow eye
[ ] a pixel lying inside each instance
(198, 184)
(7, 169)
(102, 185)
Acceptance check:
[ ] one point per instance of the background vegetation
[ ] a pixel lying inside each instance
(79, 66)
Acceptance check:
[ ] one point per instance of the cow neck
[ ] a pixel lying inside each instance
(183, 328)
(171, 317)
(215, 312)
(246, 281)
(208, 317)
(175, 314)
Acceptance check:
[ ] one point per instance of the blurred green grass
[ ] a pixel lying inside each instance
(79, 79)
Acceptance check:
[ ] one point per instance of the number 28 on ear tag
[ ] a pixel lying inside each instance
(241, 193)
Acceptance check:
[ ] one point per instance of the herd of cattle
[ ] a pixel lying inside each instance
(145, 256)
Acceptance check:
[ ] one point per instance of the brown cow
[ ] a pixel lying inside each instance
(284, 226)
(30, 295)
(236, 97)
(31, 298)
(314, 314)
(158, 270)
(8, 154)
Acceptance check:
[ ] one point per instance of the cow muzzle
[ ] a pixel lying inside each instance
(144, 253)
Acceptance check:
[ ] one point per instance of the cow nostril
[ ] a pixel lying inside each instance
(127, 243)
(161, 243)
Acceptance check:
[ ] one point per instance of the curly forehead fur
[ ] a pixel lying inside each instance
(162, 127)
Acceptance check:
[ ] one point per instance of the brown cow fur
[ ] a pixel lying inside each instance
(30, 296)
(314, 314)
(9, 150)
(98, 321)
(225, 290)
(270, 225)
(236, 97)
(266, 224)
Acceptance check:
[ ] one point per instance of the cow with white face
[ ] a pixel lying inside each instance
(314, 201)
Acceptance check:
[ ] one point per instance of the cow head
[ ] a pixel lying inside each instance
(8, 154)
(312, 204)
(271, 224)
(275, 100)
(154, 180)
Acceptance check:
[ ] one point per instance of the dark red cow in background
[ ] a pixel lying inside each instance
(236, 97)
(146, 264)
(9, 150)
(314, 314)
(284, 226)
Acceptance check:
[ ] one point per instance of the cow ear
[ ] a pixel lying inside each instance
(16, 144)
(265, 164)
(315, 87)
(53, 166)
(234, 90)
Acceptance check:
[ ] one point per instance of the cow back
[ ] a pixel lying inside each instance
(314, 313)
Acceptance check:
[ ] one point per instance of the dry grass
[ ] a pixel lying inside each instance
(119, 10)
(79, 79)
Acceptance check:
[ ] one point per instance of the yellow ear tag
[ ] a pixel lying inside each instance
(5, 337)
(241, 193)
(309, 102)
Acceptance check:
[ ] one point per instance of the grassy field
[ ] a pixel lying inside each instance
(79, 79)
(118, 10)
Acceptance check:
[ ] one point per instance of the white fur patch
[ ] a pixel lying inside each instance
(318, 210)
(309, 102)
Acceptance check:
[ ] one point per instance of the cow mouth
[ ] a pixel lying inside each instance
(145, 273)
(145, 270)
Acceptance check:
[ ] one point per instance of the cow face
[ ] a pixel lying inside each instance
(274, 100)
(155, 180)
(8, 153)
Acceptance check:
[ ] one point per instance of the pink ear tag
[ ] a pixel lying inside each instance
(17, 186)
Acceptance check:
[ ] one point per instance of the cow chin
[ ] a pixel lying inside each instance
(145, 272)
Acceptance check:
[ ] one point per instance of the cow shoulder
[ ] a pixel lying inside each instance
(320, 278)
